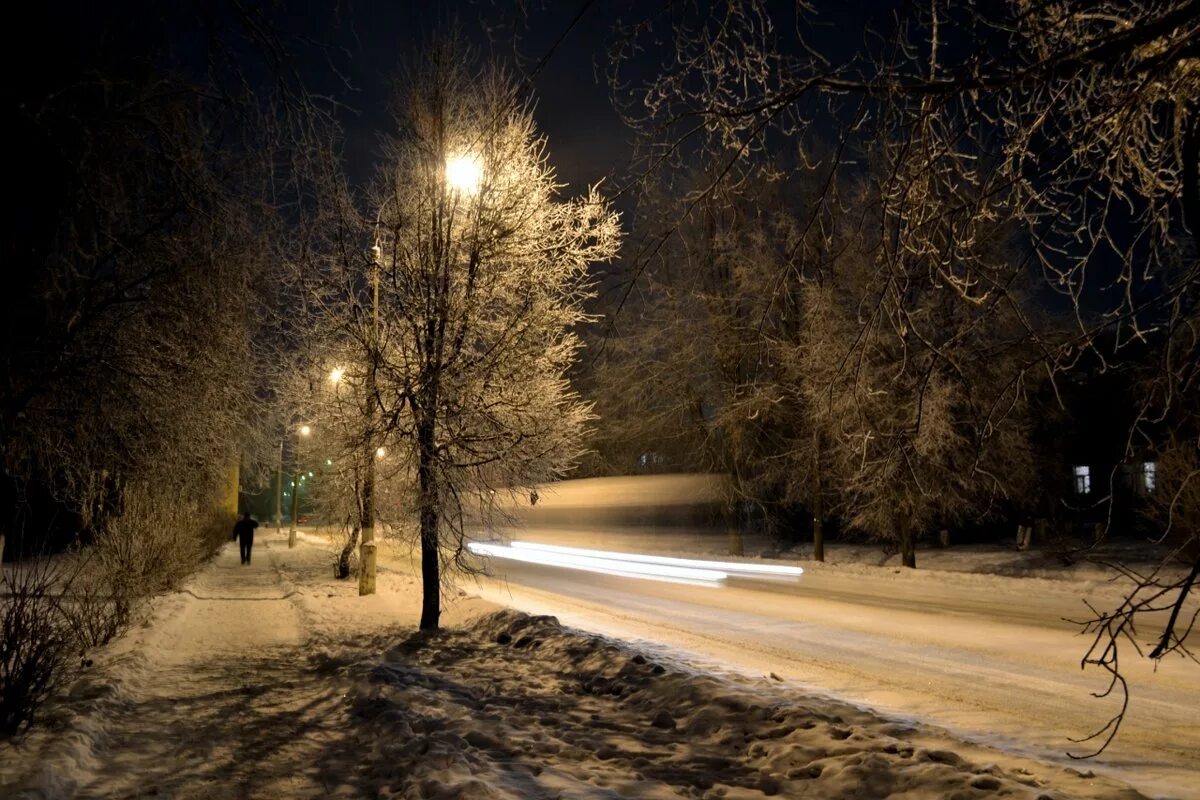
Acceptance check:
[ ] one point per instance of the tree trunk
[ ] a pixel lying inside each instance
(295, 507)
(908, 544)
(343, 564)
(818, 505)
(366, 554)
(431, 599)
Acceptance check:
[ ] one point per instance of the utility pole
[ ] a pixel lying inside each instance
(303, 431)
(366, 557)
(279, 491)
(295, 505)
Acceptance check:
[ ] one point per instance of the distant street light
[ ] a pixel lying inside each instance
(464, 173)
(380, 452)
(305, 430)
(335, 375)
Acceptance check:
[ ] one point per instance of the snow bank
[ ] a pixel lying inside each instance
(517, 706)
(73, 730)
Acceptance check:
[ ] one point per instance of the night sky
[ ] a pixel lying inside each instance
(366, 44)
(371, 42)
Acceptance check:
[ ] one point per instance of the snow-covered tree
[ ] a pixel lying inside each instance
(1077, 122)
(482, 269)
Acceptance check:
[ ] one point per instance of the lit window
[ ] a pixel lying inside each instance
(1083, 480)
(1149, 474)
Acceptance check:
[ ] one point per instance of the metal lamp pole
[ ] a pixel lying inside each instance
(366, 556)
(304, 431)
(279, 491)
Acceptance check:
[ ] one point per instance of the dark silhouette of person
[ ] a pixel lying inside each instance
(243, 531)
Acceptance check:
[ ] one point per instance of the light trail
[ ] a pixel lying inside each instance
(582, 560)
(727, 567)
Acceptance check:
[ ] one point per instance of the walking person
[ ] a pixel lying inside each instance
(243, 531)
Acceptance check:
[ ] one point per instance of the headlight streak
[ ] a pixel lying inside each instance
(733, 568)
(692, 571)
(627, 569)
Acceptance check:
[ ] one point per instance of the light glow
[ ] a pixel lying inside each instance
(380, 452)
(728, 567)
(628, 569)
(335, 375)
(1149, 475)
(1083, 479)
(464, 173)
(305, 430)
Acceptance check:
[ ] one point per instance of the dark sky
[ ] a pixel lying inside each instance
(366, 42)
(372, 41)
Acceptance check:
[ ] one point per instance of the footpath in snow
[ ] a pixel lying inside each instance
(276, 681)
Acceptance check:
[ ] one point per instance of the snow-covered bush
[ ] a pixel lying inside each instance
(151, 547)
(36, 640)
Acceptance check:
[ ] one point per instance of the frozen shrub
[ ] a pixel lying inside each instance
(149, 548)
(94, 613)
(36, 641)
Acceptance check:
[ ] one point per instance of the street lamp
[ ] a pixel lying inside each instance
(304, 430)
(279, 491)
(336, 374)
(380, 452)
(464, 172)
(366, 567)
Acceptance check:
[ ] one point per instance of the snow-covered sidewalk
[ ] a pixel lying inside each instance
(276, 681)
(212, 698)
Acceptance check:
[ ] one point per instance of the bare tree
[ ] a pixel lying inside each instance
(132, 334)
(1075, 121)
(924, 421)
(461, 291)
(696, 371)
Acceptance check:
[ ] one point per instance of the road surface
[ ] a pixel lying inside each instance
(991, 659)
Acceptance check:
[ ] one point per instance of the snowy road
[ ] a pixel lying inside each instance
(987, 657)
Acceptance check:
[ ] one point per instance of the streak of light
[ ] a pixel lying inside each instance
(589, 563)
(728, 567)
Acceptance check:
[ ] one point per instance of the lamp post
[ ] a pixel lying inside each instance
(279, 491)
(303, 431)
(366, 552)
(463, 173)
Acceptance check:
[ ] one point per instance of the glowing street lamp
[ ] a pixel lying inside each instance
(464, 173)
(380, 452)
(336, 374)
(305, 430)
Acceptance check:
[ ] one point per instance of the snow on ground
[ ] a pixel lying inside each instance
(992, 658)
(274, 680)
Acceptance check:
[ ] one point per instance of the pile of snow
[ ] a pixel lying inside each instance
(517, 706)
(72, 731)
